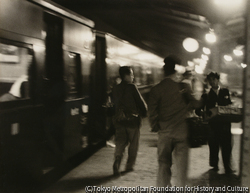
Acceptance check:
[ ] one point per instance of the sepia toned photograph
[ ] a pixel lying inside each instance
(131, 96)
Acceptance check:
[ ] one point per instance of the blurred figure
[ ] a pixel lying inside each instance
(128, 99)
(188, 77)
(220, 131)
(17, 91)
(110, 110)
(169, 103)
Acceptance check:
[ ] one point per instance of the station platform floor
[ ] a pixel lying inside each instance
(97, 170)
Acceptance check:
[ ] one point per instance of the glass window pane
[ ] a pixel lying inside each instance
(73, 74)
(14, 64)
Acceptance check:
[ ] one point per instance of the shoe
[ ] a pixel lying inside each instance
(229, 171)
(116, 166)
(129, 169)
(215, 168)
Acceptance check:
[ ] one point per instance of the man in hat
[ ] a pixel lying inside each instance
(220, 131)
(168, 109)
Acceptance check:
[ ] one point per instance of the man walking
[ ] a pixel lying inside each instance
(168, 106)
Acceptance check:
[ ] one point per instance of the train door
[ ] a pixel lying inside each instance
(65, 104)
(98, 92)
(54, 90)
(73, 129)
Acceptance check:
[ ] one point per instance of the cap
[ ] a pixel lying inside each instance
(170, 61)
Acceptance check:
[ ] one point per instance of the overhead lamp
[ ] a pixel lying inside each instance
(238, 52)
(206, 50)
(204, 57)
(243, 65)
(190, 44)
(198, 69)
(190, 63)
(228, 58)
(210, 37)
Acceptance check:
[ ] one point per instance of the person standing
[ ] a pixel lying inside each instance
(126, 97)
(220, 130)
(168, 107)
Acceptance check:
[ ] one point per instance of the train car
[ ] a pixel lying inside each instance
(46, 59)
(56, 72)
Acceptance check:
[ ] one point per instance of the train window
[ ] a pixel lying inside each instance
(15, 62)
(73, 74)
(138, 74)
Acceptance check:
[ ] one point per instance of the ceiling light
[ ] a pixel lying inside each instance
(210, 37)
(204, 57)
(243, 65)
(190, 44)
(190, 63)
(238, 52)
(198, 70)
(206, 50)
(228, 58)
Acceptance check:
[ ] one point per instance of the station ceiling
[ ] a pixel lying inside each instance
(160, 26)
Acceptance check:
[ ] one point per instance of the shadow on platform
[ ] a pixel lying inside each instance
(214, 179)
(72, 185)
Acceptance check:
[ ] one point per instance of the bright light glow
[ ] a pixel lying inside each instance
(206, 50)
(198, 69)
(238, 52)
(236, 131)
(44, 34)
(190, 63)
(127, 49)
(243, 65)
(180, 69)
(108, 60)
(146, 56)
(72, 55)
(210, 37)
(38, 48)
(204, 57)
(203, 64)
(91, 56)
(228, 58)
(228, 2)
(190, 44)
(123, 63)
(224, 78)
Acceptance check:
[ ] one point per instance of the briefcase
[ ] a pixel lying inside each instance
(224, 113)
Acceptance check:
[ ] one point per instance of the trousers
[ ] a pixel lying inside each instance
(167, 148)
(124, 136)
(220, 137)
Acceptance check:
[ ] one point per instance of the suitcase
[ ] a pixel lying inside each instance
(198, 131)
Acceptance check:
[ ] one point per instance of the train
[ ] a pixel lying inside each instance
(56, 72)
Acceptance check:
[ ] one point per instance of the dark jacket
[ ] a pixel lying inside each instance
(212, 100)
(169, 103)
(127, 97)
(223, 98)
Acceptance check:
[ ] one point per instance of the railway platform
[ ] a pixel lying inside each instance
(96, 172)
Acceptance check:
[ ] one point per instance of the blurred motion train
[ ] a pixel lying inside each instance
(55, 75)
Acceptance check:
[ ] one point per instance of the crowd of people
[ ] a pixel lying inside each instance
(169, 104)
